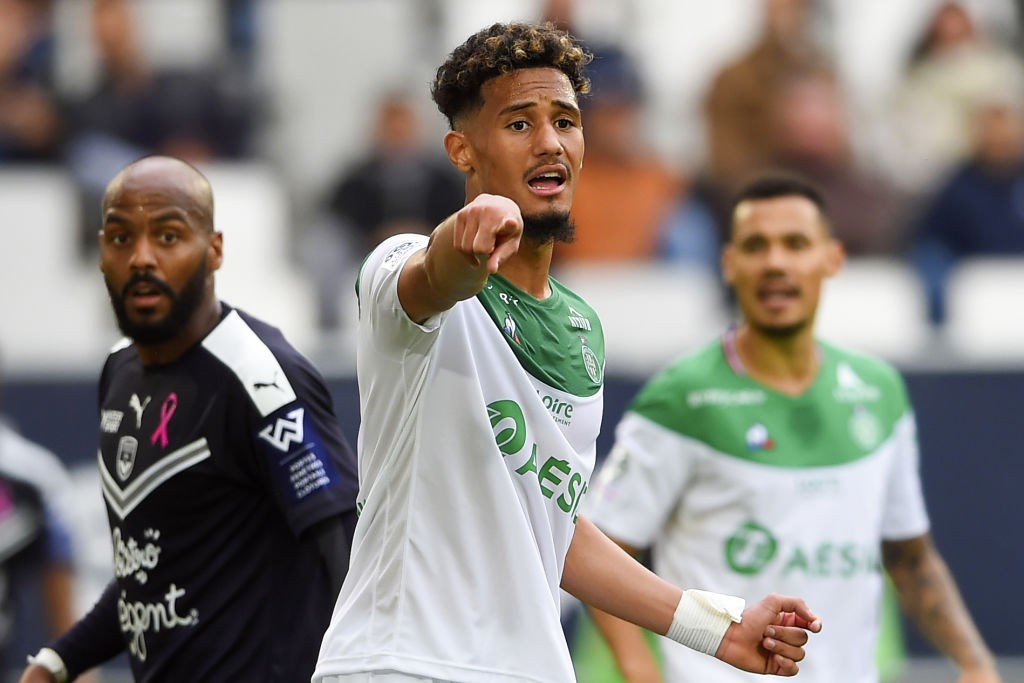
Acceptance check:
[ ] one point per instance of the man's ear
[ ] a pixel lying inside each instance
(459, 152)
(215, 257)
(727, 264)
(835, 258)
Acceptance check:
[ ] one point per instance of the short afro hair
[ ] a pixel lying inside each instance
(502, 49)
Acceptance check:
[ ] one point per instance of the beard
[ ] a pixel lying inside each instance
(781, 331)
(549, 227)
(183, 306)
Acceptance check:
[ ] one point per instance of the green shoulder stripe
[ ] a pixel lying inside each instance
(853, 407)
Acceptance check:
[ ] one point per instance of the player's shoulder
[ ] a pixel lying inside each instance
(695, 371)
(122, 357)
(255, 356)
(691, 370)
(863, 376)
(867, 367)
(389, 256)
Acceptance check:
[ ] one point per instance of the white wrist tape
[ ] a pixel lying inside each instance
(52, 662)
(702, 618)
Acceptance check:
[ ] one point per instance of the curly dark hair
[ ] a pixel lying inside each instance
(502, 49)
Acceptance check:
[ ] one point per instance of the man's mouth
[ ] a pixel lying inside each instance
(777, 294)
(144, 294)
(548, 180)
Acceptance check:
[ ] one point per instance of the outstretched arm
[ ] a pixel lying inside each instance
(92, 640)
(930, 598)
(463, 250)
(768, 639)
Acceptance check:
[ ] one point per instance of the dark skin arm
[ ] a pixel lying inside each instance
(931, 600)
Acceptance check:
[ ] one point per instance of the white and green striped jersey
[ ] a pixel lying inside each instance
(743, 490)
(476, 446)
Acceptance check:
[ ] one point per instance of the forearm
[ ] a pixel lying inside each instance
(930, 599)
(440, 276)
(94, 638)
(451, 268)
(58, 594)
(606, 577)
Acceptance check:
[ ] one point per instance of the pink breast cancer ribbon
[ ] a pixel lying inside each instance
(166, 411)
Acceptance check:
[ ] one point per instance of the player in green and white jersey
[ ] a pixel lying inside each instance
(480, 382)
(771, 460)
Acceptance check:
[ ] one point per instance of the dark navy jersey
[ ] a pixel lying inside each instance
(213, 467)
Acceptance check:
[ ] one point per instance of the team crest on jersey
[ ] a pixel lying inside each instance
(509, 328)
(127, 448)
(285, 431)
(590, 361)
(865, 428)
(758, 438)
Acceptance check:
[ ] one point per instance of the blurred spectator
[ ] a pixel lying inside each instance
(630, 204)
(979, 211)
(739, 105)
(952, 67)
(35, 542)
(137, 109)
(30, 118)
(812, 139)
(561, 13)
(399, 185)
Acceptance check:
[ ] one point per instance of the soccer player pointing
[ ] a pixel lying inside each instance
(470, 478)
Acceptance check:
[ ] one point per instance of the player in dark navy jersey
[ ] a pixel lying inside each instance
(229, 487)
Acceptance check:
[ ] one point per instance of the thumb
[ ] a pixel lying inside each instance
(795, 612)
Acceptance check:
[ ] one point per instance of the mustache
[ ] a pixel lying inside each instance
(140, 278)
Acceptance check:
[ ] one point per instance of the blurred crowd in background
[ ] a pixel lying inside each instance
(909, 116)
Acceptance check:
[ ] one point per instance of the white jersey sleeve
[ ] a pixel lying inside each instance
(641, 480)
(905, 515)
(379, 306)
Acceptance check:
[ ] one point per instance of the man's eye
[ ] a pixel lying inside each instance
(565, 124)
(169, 237)
(518, 125)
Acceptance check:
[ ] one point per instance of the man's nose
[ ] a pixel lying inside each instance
(143, 255)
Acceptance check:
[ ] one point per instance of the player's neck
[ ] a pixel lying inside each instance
(204, 320)
(788, 365)
(528, 268)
